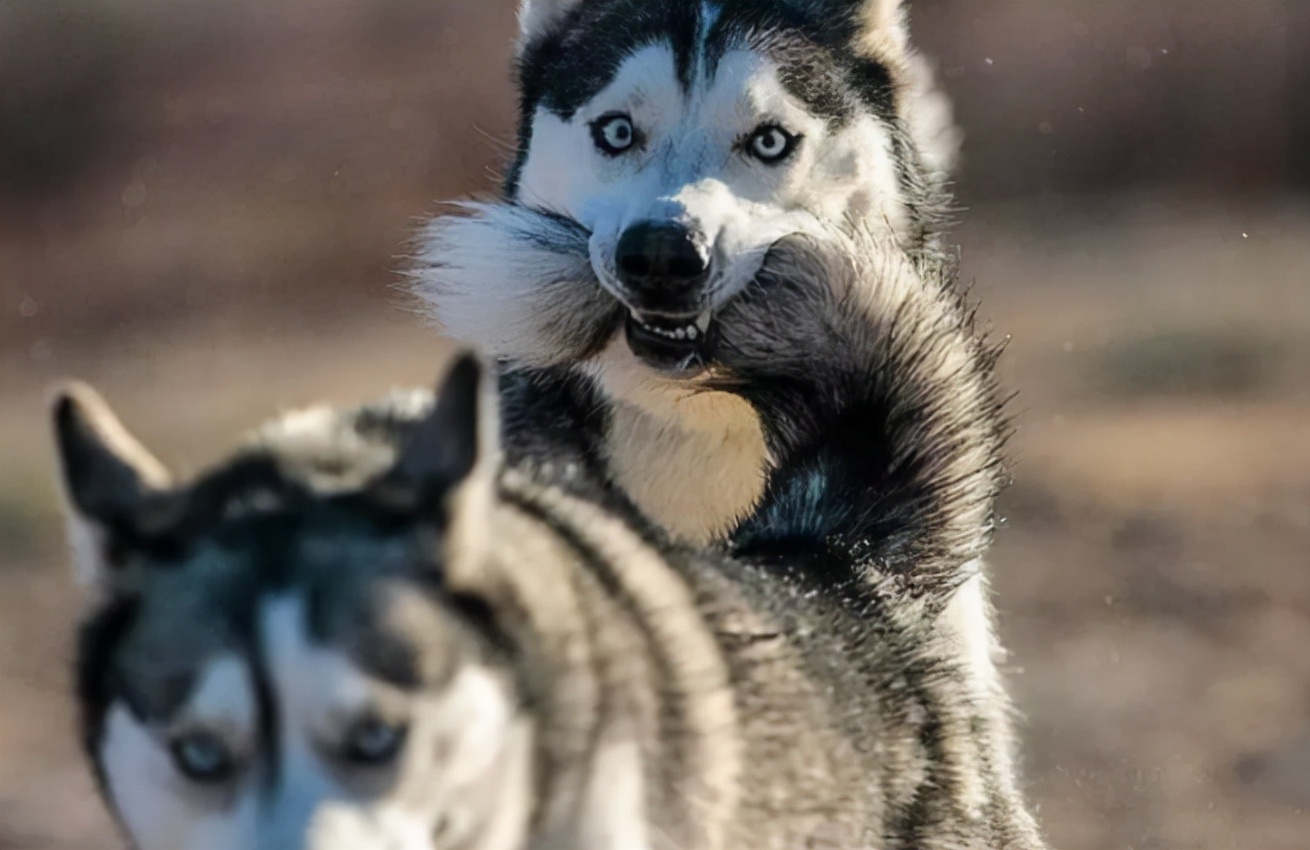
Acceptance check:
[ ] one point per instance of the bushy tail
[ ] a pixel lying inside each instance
(880, 406)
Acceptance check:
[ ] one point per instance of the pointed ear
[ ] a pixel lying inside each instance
(537, 17)
(883, 34)
(456, 453)
(452, 456)
(450, 443)
(107, 478)
(883, 30)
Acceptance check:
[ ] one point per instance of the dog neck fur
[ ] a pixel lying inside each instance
(663, 433)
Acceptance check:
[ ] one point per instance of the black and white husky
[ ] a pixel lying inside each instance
(361, 631)
(666, 149)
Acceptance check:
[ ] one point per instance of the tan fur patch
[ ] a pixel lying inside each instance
(693, 461)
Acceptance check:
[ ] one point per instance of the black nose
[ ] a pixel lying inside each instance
(656, 258)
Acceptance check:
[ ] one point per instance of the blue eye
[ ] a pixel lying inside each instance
(771, 144)
(203, 757)
(372, 742)
(613, 133)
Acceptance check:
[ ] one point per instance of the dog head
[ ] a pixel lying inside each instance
(279, 654)
(674, 143)
(687, 137)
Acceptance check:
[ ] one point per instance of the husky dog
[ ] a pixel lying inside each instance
(361, 631)
(664, 147)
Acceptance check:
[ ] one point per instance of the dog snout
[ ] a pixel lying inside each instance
(662, 264)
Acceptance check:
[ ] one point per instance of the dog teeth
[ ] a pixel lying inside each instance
(688, 332)
(692, 331)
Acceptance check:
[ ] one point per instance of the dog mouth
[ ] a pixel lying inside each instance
(676, 344)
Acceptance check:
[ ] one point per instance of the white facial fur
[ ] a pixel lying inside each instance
(465, 761)
(493, 278)
(692, 169)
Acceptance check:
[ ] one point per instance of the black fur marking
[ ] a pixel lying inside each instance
(252, 514)
(440, 449)
(554, 417)
(814, 49)
(842, 486)
(102, 485)
(269, 718)
(570, 64)
(97, 683)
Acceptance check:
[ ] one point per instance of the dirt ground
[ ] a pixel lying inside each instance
(1152, 574)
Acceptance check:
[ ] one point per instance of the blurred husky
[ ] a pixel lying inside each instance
(361, 631)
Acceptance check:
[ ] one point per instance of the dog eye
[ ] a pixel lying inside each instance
(372, 742)
(771, 144)
(203, 757)
(613, 133)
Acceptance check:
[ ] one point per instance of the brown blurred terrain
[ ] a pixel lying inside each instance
(202, 206)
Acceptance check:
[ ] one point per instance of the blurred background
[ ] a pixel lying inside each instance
(203, 205)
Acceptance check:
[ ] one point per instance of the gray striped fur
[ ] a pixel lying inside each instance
(655, 696)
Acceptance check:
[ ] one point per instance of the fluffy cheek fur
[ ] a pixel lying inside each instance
(515, 282)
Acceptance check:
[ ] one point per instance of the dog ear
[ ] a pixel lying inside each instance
(930, 118)
(536, 17)
(449, 461)
(108, 478)
(448, 444)
(883, 34)
(883, 30)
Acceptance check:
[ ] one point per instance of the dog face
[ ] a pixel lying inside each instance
(274, 658)
(685, 138)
